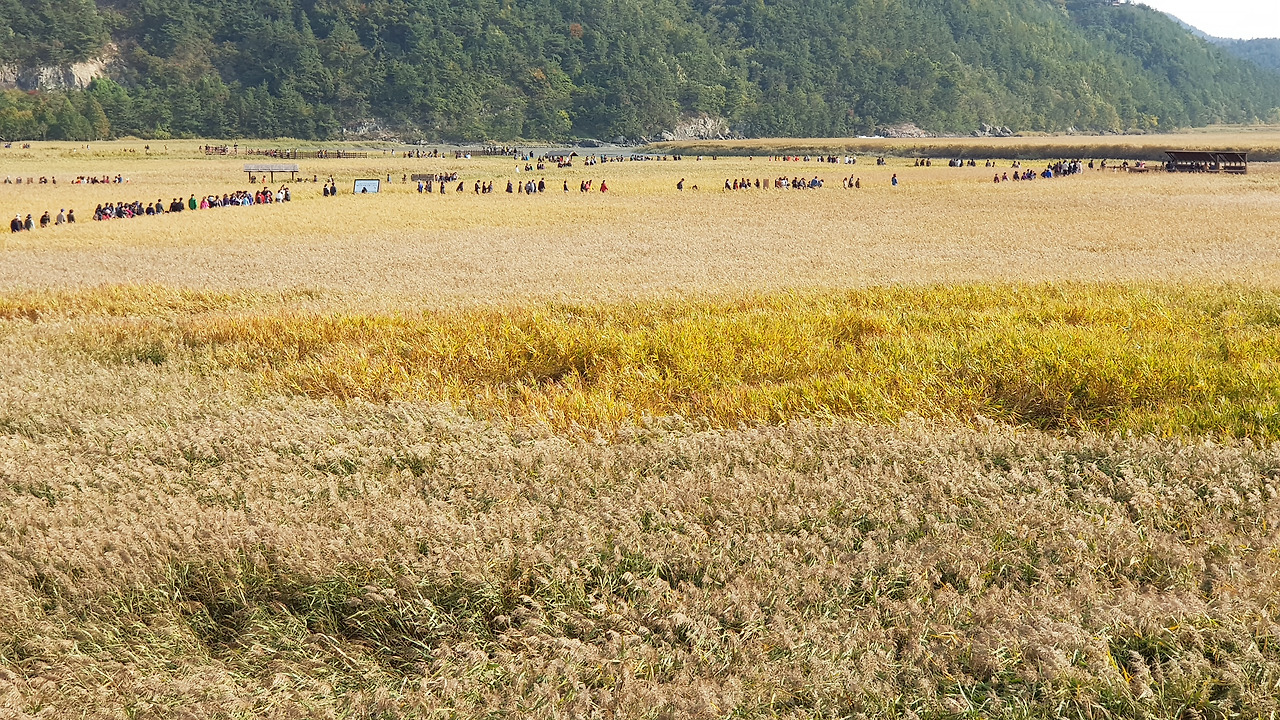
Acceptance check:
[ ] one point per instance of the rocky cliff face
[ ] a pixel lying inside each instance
(76, 76)
(699, 128)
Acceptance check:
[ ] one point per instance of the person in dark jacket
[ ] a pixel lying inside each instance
(15, 225)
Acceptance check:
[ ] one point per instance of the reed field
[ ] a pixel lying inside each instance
(642, 239)
(1261, 142)
(951, 449)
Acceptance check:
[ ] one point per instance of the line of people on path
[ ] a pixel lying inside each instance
(429, 186)
(240, 198)
(17, 224)
(566, 161)
(527, 187)
(781, 183)
(832, 159)
(849, 183)
(532, 187)
(44, 180)
(433, 153)
(80, 180)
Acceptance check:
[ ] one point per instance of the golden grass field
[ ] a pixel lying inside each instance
(642, 240)
(945, 450)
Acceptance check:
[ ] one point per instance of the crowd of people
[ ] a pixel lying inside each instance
(240, 198)
(1062, 168)
(953, 162)
(828, 159)
(524, 184)
(561, 161)
(1058, 169)
(441, 180)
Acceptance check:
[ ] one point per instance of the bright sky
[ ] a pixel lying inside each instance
(1243, 19)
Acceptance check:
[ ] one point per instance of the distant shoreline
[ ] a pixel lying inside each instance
(1262, 143)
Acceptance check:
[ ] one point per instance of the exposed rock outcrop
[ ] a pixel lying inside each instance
(76, 76)
(985, 130)
(701, 127)
(369, 129)
(905, 130)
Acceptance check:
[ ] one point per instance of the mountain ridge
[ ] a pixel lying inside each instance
(633, 69)
(1264, 52)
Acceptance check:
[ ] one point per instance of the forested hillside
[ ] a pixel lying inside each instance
(1263, 51)
(556, 69)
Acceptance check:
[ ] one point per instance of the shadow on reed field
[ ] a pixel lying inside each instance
(1074, 357)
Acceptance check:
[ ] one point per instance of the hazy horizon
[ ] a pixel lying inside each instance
(1235, 19)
